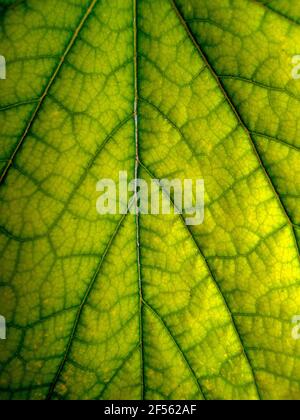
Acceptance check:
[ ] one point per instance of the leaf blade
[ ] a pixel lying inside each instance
(130, 308)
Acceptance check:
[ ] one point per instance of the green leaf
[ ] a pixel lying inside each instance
(124, 307)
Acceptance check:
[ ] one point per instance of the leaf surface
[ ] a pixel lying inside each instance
(124, 307)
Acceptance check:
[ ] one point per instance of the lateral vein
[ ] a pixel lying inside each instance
(48, 87)
(81, 307)
(240, 120)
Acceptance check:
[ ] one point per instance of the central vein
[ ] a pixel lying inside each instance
(137, 165)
